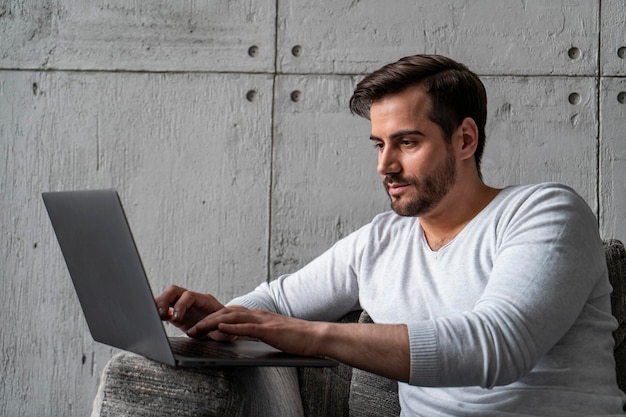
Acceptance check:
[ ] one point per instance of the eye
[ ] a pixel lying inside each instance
(378, 145)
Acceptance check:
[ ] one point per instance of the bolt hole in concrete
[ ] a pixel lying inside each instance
(621, 97)
(574, 98)
(574, 53)
(296, 96)
(621, 52)
(253, 51)
(251, 95)
(296, 50)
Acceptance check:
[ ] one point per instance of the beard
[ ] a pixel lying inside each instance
(428, 191)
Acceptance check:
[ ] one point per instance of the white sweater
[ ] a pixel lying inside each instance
(512, 317)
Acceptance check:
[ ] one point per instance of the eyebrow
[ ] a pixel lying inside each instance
(400, 134)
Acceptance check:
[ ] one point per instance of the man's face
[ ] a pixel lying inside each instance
(416, 163)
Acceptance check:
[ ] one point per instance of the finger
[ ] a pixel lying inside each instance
(221, 337)
(184, 304)
(225, 332)
(193, 307)
(240, 329)
(167, 299)
(226, 315)
(207, 325)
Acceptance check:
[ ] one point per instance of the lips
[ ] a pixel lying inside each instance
(395, 184)
(395, 188)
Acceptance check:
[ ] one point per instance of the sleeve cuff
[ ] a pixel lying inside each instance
(424, 354)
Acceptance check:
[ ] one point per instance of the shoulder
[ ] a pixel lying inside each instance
(546, 206)
(549, 196)
(545, 189)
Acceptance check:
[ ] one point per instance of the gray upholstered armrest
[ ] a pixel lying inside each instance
(133, 385)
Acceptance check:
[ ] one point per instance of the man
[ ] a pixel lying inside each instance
(486, 301)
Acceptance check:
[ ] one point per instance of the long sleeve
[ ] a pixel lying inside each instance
(325, 289)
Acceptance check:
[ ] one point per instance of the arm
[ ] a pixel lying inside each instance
(377, 348)
(381, 349)
(295, 313)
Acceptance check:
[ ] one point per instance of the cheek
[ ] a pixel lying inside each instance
(418, 165)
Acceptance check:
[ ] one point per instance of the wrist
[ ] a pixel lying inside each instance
(322, 340)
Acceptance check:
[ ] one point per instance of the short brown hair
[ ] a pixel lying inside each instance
(454, 90)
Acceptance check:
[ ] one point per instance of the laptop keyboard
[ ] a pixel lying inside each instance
(201, 349)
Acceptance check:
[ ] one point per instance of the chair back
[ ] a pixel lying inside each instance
(616, 263)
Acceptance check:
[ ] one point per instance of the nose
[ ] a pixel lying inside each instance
(388, 162)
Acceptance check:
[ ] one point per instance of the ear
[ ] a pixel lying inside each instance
(467, 134)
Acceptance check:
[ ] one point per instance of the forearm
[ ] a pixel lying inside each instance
(382, 349)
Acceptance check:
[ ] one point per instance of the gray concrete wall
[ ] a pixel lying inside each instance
(224, 126)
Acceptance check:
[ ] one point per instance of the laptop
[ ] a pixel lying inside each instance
(116, 298)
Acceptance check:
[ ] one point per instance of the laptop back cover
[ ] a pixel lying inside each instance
(107, 273)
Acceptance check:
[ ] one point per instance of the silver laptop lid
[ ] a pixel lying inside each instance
(107, 272)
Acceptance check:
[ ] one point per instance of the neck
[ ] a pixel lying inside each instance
(455, 211)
